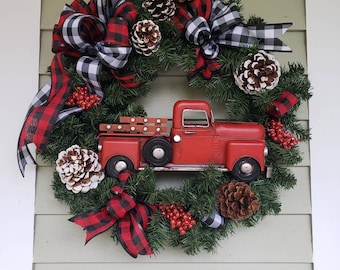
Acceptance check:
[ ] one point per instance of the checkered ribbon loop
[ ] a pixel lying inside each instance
(198, 32)
(98, 34)
(210, 24)
(130, 217)
(215, 220)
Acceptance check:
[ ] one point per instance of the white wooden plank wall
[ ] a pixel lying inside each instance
(278, 243)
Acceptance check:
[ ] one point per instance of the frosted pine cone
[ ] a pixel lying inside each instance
(79, 169)
(236, 200)
(161, 10)
(259, 72)
(146, 37)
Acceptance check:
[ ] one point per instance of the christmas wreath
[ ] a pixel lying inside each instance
(107, 54)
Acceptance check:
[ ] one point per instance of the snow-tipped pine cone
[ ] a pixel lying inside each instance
(161, 10)
(235, 200)
(259, 72)
(146, 37)
(79, 169)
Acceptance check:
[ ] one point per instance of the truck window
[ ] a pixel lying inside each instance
(195, 118)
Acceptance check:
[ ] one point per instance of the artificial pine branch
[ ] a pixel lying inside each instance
(142, 184)
(281, 156)
(295, 80)
(238, 107)
(269, 199)
(82, 202)
(231, 58)
(283, 177)
(199, 191)
(158, 232)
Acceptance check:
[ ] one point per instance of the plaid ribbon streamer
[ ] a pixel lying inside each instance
(43, 113)
(283, 104)
(215, 220)
(98, 34)
(209, 24)
(130, 217)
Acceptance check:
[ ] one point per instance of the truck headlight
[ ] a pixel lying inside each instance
(265, 151)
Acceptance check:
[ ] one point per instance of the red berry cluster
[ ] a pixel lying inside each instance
(82, 98)
(276, 132)
(178, 217)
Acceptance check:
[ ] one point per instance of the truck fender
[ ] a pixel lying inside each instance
(127, 147)
(235, 150)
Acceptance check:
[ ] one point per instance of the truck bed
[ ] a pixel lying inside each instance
(136, 126)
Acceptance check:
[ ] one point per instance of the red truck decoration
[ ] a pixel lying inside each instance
(195, 141)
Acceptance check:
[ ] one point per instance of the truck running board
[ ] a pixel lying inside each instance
(183, 168)
(195, 168)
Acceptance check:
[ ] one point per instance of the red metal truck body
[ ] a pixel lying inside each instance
(195, 141)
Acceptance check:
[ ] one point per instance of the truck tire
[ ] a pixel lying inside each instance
(157, 151)
(117, 164)
(246, 169)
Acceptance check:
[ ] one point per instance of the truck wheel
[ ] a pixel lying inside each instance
(246, 169)
(157, 151)
(117, 164)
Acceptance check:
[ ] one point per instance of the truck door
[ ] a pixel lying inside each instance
(193, 141)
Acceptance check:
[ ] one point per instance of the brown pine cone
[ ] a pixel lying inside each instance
(146, 37)
(236, 201)
(259, 72)
(161, 10)
(79, 169)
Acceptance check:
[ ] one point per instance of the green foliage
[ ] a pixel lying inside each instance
(197, 193)
(281, 156)
(253, 20)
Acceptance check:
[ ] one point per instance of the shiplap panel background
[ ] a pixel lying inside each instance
(278, 243)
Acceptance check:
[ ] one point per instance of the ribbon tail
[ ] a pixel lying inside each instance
(24, 154)
(268, 35)
(132, 237)
(24, 157)
(43, 113)
(94, 222)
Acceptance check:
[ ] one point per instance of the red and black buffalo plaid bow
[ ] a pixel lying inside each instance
(130, 217)
(211, 23)
(97, 34)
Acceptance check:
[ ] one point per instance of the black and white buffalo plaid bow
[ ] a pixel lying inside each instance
(97, 34)
(130, 217)
(211, 23)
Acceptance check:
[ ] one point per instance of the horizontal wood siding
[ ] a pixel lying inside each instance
(157, 266)
(280, 242)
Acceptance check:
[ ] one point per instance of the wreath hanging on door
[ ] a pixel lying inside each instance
(107, 54)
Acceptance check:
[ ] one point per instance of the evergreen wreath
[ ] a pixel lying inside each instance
(209, 192)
